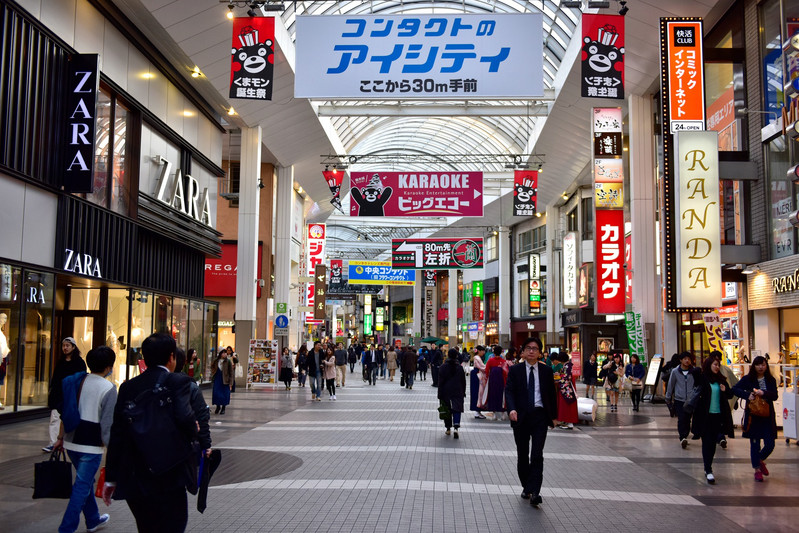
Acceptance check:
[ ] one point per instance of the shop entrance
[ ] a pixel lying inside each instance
(692, 336)
(81, 318)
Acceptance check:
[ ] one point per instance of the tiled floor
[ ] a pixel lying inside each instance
(377, 459)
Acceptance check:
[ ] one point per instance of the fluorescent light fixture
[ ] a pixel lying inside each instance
(595, 4)
(573, 5)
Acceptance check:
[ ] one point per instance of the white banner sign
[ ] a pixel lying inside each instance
(570, 269)
(419, 56)
(697, 220)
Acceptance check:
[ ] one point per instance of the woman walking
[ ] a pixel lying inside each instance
(286, 368)
(759, 422)
(69, 363)
(494, 395)
(391, 362)
(302, 360)
(613, 374)
(589, 376)
(634, 371)
(222, 378)
(567, 395)
(330, 373)
(452, 390)
(712, 415)
(477, 384)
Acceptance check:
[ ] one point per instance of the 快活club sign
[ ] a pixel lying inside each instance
(437, 253)
(418, 194)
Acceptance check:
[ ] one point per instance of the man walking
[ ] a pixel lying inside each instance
(381, 360)
(341, 364)
(681, 385)
(436, 360)
(532, 407)
(315, 360)
(157, 500)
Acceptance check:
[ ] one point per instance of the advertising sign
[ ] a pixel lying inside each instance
(628, 274)
(609, 262)
(698, 224)
(314, 255)
(262, 362)
(603, 56)
(525, 192)
(586, 283)
(81, 122)
(320, 287)
(683, 63)
(534, 266)
(713, 330)
(379, 273)
(335, 277)
(429, 278)
(380, 317)
(403, 194)
(570, 269)
(635, 332)
(609, 195)
(334, 178)
(442, 253)
(253, 57)
(452, 56)
(220, 274)
(534, 283)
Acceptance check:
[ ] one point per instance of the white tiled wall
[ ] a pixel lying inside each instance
(27, 222)
(84, 28)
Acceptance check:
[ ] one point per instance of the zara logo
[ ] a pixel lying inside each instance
(81, 264)
(36, 296)
(169, 191)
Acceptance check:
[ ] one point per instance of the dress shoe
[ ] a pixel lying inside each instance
(525, 495)
(536, 500)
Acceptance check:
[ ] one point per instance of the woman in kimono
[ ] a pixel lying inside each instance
(477, 385)
(494, 395)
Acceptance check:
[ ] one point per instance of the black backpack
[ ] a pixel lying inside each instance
(152, 423)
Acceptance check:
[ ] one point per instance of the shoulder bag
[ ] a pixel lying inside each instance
(758, 407)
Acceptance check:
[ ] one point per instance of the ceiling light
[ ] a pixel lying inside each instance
(148, 75)
(230, 7)
(538, 214)
(751, 269)
(187, 113)
(195, 73)
(231, 111)
(299, 189)
(574, 5)
(540, 168)
(565, 196)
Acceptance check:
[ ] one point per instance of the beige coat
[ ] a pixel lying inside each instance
(330, 368)
(391, 360)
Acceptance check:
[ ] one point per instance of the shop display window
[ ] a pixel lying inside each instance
(210, 337)
(118, 309)
(35, 348)
(782, 198)
(196, 312)
(163, 315)
(180, 322)
(140, 328)
(10, 289)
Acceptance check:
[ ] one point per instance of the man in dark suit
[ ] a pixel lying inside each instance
(531, 403)
(157, 501)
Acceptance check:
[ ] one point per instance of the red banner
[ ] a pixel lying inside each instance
(609, 261)
(525, 192)
(682, 61)
(220, 274)
(603, 56)
(405, 194)
(336, 268)
(334, 178)
(253, 57)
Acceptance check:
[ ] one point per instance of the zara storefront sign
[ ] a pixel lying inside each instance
(84, 264)
(82, 85)
(189, 200)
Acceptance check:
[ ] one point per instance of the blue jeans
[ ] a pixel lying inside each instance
(82, 499)
(373, 374)
(409, 379)
(756, 453)
(316, 383)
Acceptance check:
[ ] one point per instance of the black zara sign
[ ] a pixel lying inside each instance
(82, 85)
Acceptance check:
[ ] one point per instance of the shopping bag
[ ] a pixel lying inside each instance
(100, 482)
(53, 478)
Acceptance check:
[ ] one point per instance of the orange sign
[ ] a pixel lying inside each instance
(685, 68)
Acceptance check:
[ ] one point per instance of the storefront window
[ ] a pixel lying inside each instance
(111, 166)
(771, 61)
(163, 315)
(783, 237)
(196, 335)
(10, 286)
(180, 322)
(116, 331)
(210, 336)
(140, 328)
(37, 324)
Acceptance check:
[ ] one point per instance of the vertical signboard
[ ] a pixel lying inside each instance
(81, 122)
(334, 179)
(525, 192)
(609, 261)
(603, 56)
(570, 269)
(429, 278)
(684, 67)
(314, 255)
(698, 239)
(534, 283)
(253, 57)
(320, 287)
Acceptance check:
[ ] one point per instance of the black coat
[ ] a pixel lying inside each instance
(124, 465)
(310, 363)
(760, 427)
(702, 407)
(516, 398)
(452, 385)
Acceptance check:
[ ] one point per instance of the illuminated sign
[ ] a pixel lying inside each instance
(570, 269)
(681, 57)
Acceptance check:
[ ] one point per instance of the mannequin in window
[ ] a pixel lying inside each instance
(136, 338)
(4, 351)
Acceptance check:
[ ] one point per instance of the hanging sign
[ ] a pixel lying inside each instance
(451, 56)
(698, 241)
(628, 274)
(525, 192)
(683, 64)
(570, 269)
(81, 122)
(253, 57)
(405, 194)
(334, 178)
(314, 255)
(586, 282)
(609, 229)
(379, 273)
(320, 288)
(439, 253)
(335, 272)
(429, 278)
(603, 56)
(713, 330)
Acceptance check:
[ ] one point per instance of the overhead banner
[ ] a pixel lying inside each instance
(609, 260)
(525, 192)
(682, 62)
(320, 288)
(603, 56)
(451, 56)
(81, 122)
(698, 241)
(334, 178)
(570, 269)
(335, 277)
(379, 273)
(441, 253)
(252, 58)
(429, 278)
(314, 255)
(404, 194)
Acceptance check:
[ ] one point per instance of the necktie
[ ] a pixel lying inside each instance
(531, 388)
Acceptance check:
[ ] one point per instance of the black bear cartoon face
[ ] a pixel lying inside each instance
(371, 200)
(254, 58)
(601, 57)
(523, 193)
(335, 272)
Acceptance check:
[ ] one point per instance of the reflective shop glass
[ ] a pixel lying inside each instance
(10, 297)
(35, 345)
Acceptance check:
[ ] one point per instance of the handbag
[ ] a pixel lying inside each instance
(758, 407)
(53, 478)
(402, 379)
(627, 384)
(444, 411)
(100, 483)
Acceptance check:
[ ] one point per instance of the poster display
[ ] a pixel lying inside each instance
(252, 58)
(406, 194)
(262, 362)
(379, 273)
(602, 56)
(525, 192)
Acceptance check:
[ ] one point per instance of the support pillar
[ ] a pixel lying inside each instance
(247, 250)
(505, 266)
(284, 203)
(452, 324)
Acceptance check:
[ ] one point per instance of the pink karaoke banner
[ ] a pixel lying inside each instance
(405, 194)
